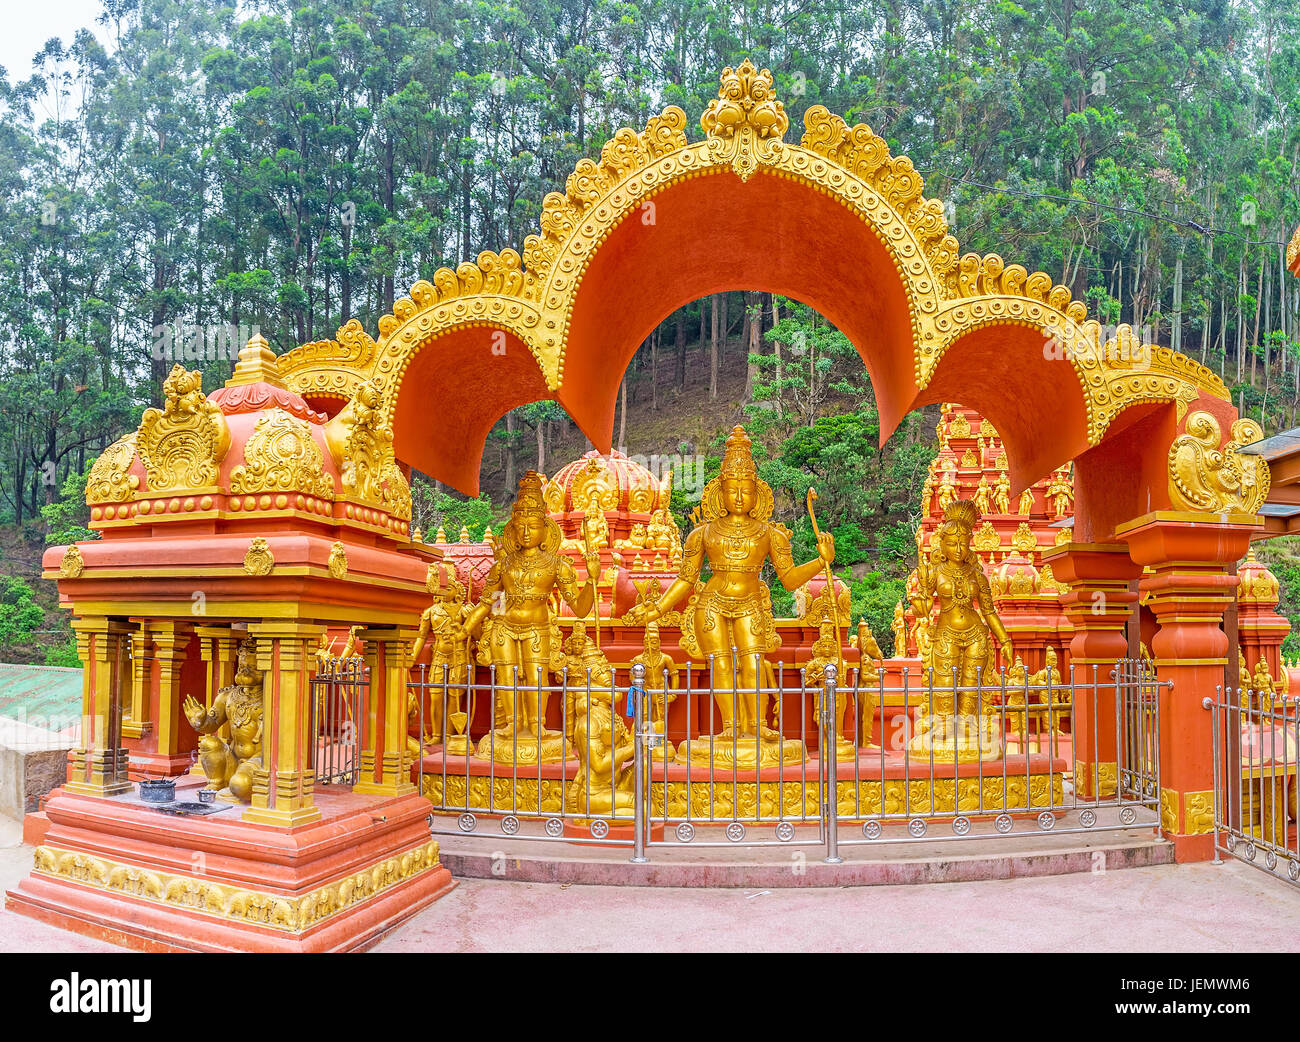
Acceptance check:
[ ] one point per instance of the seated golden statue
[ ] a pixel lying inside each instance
(520, 637)
(230, 765)
(661, 533)
(728, 623)
(604, 784)
(661, 678)
(958, 726)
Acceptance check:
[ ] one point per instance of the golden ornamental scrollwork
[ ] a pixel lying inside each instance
(259, 560)
(110, 479)
(1207, 476)
(986, 539)
(182, 444)
(282, 456)
(531, 294)
(72, 564)
(745, 124)
(338, 563)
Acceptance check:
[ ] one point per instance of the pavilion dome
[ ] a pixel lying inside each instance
(614, 482)
(252, 450)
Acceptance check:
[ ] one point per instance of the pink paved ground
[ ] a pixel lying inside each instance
(1205, 907)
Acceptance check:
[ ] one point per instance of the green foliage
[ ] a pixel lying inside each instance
(67, 518)
(20, 615)
(63, 655)
(432, 507)
(873, 597)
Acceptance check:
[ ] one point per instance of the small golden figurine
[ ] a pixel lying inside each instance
(520, 642)
(661, 681)
(1026, 505)
(900, 631)
(584, 662)
(230, 766)
(947, 487)
(983, 504)
(1050, 677)
(961, 642)
(732, 614)
(1002, 494)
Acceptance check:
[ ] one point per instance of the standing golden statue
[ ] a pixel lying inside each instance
(584, 663)
(661, 681)
(961, 642)
(230, 765)
(729, 622)
(520, 638)
(442, 630)
(826, 652)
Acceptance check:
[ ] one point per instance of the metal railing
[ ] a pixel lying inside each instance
(1256, 739)
(599, 779)
(338, 698)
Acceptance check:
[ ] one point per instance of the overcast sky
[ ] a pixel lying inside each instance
(29, 23)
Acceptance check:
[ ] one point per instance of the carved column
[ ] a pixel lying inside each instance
(1099, 604)
(97, 767)
(168, 750)
(282, 787)
(135, 721)
(1189, 590)
(385, 762)
(1260, 628)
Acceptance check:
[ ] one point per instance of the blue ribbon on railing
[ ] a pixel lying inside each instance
(633, 692)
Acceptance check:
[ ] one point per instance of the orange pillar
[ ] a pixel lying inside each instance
(385, 762)
(1191, 586)
(97, 767)
(1098, 605)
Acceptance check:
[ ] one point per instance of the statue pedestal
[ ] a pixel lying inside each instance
(957, 739)
(744, 752)
(523, 749)
(116, 869)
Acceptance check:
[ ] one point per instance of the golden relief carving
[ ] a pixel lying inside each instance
(287, 914)
(259, 560)
(595, 488)
(110, 479)
(1198, 812)
(745, 124)
(1169, 810)
(282, 456)
(960, 426)
(986, 540)
(1024, 539)
(181, 445)
(360, 440)
(70, 567)
(338, 563)
(1206, 476)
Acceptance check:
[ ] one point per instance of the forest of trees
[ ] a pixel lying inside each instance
(197, 168)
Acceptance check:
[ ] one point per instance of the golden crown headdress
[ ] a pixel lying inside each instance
(529, 499)
(738, 457)
(963, 512)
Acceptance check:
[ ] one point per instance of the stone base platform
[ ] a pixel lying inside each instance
(876, 864)
(122, 871)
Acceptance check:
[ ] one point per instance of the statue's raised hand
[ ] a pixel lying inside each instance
(826, 547)
(193, 710)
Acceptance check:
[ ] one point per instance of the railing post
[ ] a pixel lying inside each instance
(830, 783)
(637, 694)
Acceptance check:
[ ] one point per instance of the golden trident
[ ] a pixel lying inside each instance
(830, 578)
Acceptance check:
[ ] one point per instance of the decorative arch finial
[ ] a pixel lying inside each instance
(745, 124)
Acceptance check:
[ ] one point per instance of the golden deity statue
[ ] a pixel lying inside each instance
(604, 783)
(1026, 505)
(899, 628)
(442, 631)
(1002, 493)
(595, 527)
(825, 652)
(732, 613)
(1017, 701)
(1050, 677)
(583, 661)
(662, 534)
(961, 642)
(869, 654)
(947, 488)
(1060, 492)
(230, 765)
(982, 502)
(661, 681)
(521, 636)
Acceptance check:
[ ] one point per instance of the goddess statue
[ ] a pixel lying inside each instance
(731, 615)
(960, 728)
(230, 765)
(521, 637)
